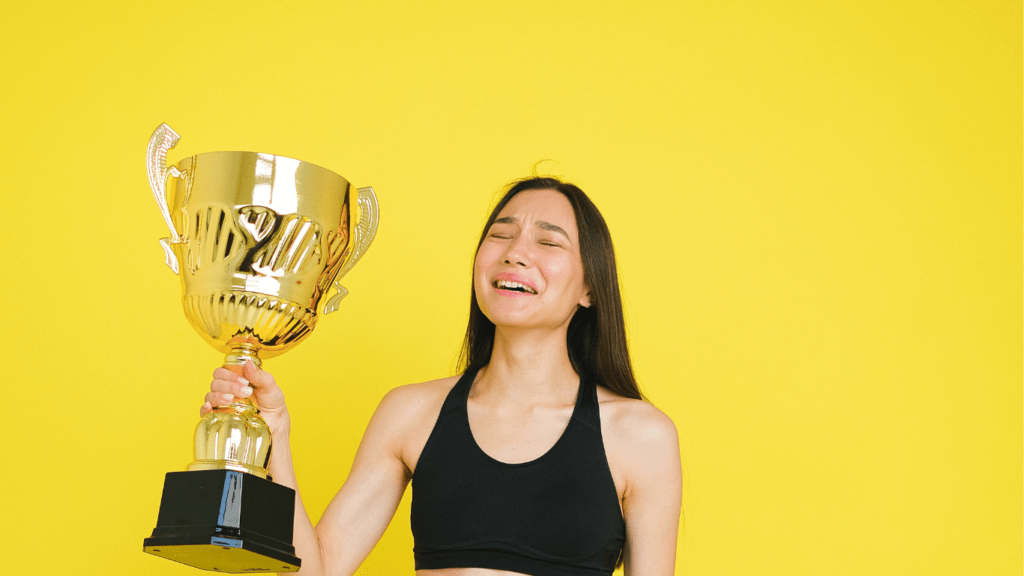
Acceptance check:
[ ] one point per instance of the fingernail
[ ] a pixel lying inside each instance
(246, 391)
(228, 397)
(243, 381)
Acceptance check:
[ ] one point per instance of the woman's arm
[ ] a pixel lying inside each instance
(647, 446)
(360, 512)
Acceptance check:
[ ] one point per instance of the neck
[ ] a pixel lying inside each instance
(529, 364)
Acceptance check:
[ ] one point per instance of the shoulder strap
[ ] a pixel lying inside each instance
(588, 412)
(456, 398)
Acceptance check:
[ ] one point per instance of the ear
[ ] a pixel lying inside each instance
(585, 300)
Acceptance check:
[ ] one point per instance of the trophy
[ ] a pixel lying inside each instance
(257, 239)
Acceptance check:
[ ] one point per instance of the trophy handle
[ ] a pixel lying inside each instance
(364, 232)
(162, 140)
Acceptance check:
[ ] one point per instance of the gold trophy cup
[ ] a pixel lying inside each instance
(257, 240)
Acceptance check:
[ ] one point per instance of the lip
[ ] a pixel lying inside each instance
(512, 277)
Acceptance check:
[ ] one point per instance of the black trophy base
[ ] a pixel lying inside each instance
(225, 521)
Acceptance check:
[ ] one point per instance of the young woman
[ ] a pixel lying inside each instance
(542, 458)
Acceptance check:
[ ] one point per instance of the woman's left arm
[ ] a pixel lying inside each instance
(652, 497)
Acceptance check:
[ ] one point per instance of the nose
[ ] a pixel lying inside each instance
(517, 253)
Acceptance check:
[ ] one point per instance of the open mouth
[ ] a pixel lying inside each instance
(513, 286)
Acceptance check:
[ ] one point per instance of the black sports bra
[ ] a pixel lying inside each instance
(557, 515)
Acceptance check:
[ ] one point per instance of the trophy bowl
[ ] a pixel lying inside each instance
(258, 240)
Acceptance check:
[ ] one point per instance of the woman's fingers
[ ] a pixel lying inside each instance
(231, 387)
(225, 374)
(219, 398)
(257, 377)
(225, 380)
(224, 388)
(228, 386)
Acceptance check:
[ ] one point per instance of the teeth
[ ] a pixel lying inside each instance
(514, 286)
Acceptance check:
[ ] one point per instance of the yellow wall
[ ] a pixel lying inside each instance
(816, 205)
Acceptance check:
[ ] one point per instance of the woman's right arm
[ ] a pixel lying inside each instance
(358, 515)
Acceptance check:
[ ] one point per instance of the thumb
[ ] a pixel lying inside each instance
(257, 377)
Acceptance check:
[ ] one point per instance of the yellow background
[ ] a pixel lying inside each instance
(816, 206)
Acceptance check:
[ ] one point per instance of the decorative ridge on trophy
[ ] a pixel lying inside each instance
(258, 240)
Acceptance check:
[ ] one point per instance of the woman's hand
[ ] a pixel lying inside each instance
(260, 385)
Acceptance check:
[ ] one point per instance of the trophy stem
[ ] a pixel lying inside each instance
(239, 355)
(234, 437)
(234, 361)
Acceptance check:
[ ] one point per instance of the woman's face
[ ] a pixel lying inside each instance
(528, 272)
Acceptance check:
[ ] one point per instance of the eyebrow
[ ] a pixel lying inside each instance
(540, 224)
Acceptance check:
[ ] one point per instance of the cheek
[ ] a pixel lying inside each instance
(486, 254)
(569, 275)
(476, 275)
(480, 266)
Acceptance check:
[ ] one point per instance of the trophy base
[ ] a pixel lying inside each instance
(225, 521)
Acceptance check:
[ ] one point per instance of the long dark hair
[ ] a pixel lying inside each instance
(597, 335)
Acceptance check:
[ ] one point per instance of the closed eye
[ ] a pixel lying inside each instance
(502, 231)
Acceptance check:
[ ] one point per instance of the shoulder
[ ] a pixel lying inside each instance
(635, 422)
(641, 441)
(406, 415)
(412, 400)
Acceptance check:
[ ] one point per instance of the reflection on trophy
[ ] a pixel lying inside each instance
(258, 240)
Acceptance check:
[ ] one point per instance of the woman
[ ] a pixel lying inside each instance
(542, 457)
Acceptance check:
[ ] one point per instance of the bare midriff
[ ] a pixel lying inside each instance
(467, 572)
